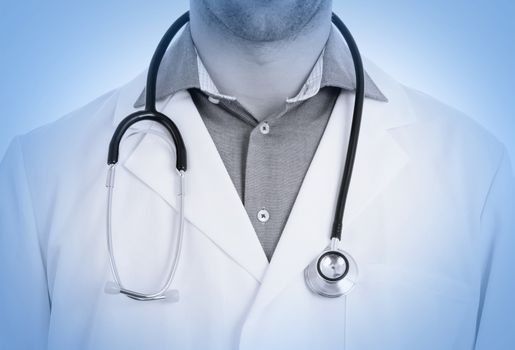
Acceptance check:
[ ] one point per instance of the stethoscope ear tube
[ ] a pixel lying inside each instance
(116, 286)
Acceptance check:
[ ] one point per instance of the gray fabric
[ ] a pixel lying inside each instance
(266, 169)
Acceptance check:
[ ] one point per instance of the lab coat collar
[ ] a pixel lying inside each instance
(213, 205)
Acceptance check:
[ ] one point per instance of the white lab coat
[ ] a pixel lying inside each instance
(430, 222)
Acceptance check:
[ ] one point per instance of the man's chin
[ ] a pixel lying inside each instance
(264, 22)
(262, 29)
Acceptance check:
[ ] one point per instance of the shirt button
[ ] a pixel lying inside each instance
(263, 215)
(213, 100)
(264, 128)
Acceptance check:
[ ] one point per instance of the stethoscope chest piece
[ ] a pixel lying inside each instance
(332, 274)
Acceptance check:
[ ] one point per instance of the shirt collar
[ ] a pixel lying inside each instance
(183, 69)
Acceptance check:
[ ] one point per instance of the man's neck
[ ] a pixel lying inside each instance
(261, 75)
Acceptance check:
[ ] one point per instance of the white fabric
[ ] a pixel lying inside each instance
(430, 222)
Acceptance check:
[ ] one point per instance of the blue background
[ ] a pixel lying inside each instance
(57, 55)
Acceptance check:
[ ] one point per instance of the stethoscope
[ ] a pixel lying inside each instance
(333, 273)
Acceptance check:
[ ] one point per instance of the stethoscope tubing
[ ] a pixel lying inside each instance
(151, 114)
(355, 127)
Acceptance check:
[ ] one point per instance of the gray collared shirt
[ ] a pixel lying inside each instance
(268, 159)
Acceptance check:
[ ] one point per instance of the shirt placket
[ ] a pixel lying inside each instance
(260, 187)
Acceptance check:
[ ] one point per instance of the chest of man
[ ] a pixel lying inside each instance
(230, 295)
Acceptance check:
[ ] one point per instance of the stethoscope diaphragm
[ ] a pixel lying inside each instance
(333, 273)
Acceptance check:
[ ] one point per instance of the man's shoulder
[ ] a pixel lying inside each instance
(431, 111)
(451, 145)
(67, 132)
(428, 111)
(450, 128)
(437, 135)
(91, 120)
(438, 119)
(70, 146)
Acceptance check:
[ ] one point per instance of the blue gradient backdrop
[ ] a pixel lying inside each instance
(57, 55)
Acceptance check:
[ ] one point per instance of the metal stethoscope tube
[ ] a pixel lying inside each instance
(117, 286)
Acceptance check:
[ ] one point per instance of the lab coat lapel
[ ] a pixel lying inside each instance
(211, 203)
(379, 159)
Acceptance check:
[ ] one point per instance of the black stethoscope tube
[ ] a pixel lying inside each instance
(150, 113)
(153, 70)
(355, 128)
